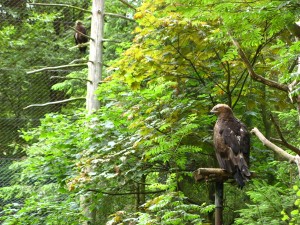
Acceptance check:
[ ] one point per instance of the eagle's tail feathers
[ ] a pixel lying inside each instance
(245, 171)
(239, 179)
(243, 167)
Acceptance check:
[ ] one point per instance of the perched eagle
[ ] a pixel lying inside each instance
(232, 144)
(79, 36)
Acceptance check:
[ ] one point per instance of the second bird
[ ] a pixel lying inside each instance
(79, 36)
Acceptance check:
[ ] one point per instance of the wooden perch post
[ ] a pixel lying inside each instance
(219, 203)
(211, 174)
(219, 176)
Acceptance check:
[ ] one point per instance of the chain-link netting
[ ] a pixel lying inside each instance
(34, 37)
(6, 180)
(30, 42)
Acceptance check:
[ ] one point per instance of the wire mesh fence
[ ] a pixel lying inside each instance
(29, 43)
(33, 37)
(6, 175)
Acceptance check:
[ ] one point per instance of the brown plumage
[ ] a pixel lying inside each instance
(232, 144)
(79, 38)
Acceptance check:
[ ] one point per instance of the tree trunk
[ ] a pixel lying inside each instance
(96, 52)
(95, 76)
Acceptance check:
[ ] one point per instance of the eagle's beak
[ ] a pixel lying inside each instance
(212, 111)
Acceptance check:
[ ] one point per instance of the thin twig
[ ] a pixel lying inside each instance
(251, 71)
(81, 79)
(191, 64)
(275, 148)
(54, 103)
(71, 78)
(289, 146)
(61, 5)
(126, 193)
(110, 40)
(294, 64)
(56, 67)
(127, 4)
(87, 36)
(283, 141)
(80, 45)
(119, 16)
(77, 61)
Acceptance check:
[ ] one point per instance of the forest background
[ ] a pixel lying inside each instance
(164, 68)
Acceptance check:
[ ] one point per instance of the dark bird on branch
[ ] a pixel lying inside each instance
(79, 36)
(232, 144)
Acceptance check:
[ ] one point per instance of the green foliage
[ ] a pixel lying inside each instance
(168, 148)
(135, 156)
(31, 37)
(73, 85)
(272, 201)
(266, 205)
(44, 205)
(170, 209)
(293, 217)
(288, 121)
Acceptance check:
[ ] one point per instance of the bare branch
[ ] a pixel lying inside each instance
(252, 73)
(56, 68)
(77, 61)
(191, 64)
(87, 36)
(70, 78)
(61, 5)
(283, 141)
(119, 16)
(294, 64)
(76, 78)
(127, 4)
(126, 193)
(285, 144)
(275, 148)
(110, 40)
(54, 103)
(80, 45)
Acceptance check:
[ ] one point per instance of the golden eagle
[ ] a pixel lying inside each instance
(232, 144)
(79, 36)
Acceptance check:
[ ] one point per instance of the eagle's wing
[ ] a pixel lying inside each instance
(236, 136)
(231, 136)
(237, 140)
(81, 38)
(75, 38)
(245, 142)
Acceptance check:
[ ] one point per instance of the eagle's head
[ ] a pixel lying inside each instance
(221, 109)
(78, 23)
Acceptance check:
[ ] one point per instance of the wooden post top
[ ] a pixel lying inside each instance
(213, 174)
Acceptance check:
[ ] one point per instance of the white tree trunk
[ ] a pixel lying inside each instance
(95, 58)
(298, 97)
(95, 76)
